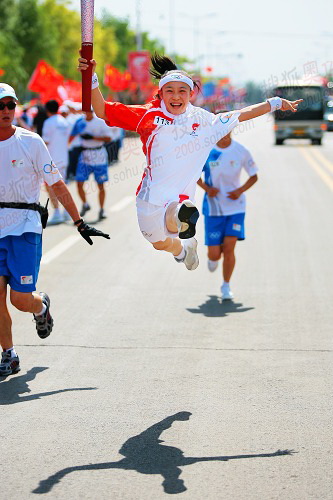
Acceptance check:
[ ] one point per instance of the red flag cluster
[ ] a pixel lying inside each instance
(115, 79)
(50, 84)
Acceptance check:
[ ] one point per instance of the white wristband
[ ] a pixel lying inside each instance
(275, 103)
(94, 82)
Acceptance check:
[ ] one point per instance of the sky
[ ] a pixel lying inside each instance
(244, 40)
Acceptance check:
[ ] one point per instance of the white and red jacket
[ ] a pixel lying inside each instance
(176, 146)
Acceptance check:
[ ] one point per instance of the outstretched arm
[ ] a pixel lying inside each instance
(266, 107)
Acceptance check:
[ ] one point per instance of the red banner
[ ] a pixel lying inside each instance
(138, 66)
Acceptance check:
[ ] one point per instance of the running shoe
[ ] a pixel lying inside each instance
(212, 265)
(191, 259)
(57, 218)
(84, 209)
(101, 214)
(226, 293)
(187, 216)
(9, 365)
(44, 322)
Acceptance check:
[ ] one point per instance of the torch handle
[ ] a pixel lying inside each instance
(86, 53)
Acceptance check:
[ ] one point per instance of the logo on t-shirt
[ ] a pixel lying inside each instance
(194, 128)
(17, 163)
(236, 227)
(50, 168)
(213, 164)
(225, 118)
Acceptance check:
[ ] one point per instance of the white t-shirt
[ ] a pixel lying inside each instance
(72, 119)
(97, 128)
(176, 146)
(223, 170)
(25, 163)
(55, 134)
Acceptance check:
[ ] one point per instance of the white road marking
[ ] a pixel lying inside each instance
(317, 167)
(59, 249)
(68, 242)
(121, 204)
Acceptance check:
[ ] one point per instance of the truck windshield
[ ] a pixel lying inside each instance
(312, 108)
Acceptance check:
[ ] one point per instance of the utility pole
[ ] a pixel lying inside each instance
(138, 26)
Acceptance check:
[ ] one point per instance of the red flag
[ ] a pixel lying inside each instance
(45, 78)
(115, 79)
(73, 89)
(2, 71)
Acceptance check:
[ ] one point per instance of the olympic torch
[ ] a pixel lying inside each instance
(87, 40)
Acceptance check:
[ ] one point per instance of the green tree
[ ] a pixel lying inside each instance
(11, 53)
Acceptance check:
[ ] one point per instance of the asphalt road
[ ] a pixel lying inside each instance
(150, 386)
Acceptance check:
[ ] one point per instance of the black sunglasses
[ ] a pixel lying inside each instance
(9, 105)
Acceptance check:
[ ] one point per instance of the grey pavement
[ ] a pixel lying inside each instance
(149, 385)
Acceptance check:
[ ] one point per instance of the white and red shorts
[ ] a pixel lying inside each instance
(151, 220)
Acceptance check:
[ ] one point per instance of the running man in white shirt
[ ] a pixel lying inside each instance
(25, 163)
(55, 135)
(177, 138)
(224, 204)
(94, 134)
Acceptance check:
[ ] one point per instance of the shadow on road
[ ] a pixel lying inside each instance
(11, 388)
(214, 307)
(144, 453)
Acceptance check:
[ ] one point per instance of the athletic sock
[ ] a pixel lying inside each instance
(226, 285)
(42, 311)
(11, 351)
(181, 255)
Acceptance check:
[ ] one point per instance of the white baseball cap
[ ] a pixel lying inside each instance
(63, 109)
(7, 91)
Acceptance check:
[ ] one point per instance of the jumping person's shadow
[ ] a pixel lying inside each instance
(215, 307)
(144, 453)
(10, 389)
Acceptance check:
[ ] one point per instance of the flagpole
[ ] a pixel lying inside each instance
(87, 38)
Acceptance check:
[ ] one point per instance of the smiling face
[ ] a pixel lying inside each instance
(176, 96)
(6, 115)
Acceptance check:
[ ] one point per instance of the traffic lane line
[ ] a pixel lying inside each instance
(68, 242)
(328, 180)
(321, 158)
(123, 203)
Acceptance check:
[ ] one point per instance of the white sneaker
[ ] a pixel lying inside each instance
(57, 218)
(191, 259)
(226, 293)
(212, 265)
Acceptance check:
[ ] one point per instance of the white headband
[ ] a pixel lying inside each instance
(176, 77)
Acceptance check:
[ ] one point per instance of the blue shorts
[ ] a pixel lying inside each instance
(217, 227)
(20, 260)
(83, 172)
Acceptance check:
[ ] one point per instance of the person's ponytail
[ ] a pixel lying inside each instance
(161, 65)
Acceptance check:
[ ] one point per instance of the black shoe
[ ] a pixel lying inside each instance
(9, 365)
(187, 215)
(101, 214)
(84, 209)
(44, 322)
